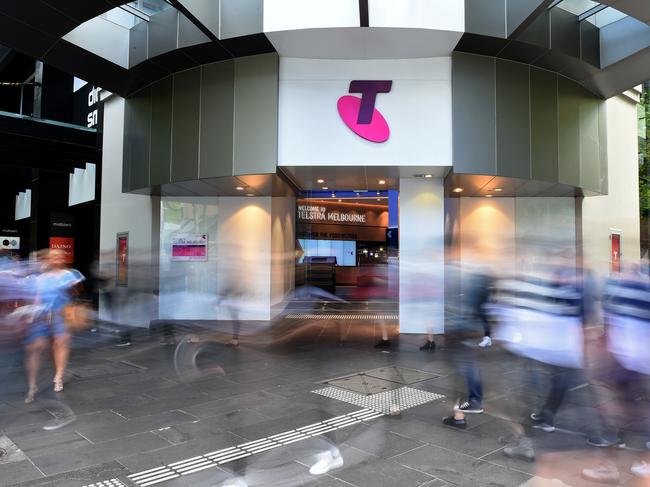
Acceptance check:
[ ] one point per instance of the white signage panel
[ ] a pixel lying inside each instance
(321, 121)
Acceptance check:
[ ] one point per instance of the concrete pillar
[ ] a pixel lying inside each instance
(421, 266)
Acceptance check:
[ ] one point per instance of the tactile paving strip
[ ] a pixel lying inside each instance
(384, 402)
(333, 316)
(216, 458)
(107, 483)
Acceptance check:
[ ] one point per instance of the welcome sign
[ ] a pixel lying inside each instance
(321, 214)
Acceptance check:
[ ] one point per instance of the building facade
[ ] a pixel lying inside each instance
(490, 127)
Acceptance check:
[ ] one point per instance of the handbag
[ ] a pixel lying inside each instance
(76, 316)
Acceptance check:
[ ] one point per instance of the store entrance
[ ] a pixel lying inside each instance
(347, 246)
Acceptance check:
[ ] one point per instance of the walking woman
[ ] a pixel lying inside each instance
(54, 287)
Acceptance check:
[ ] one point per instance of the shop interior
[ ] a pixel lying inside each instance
(347, 245)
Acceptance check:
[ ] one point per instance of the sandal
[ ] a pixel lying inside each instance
(29, 398)
(58, 385)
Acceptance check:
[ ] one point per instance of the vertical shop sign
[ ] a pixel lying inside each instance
(615, 257)
(122, 259)
(62, 235)
(65, 245)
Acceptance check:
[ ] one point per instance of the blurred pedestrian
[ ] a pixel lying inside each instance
(54, 288)
(465, 318)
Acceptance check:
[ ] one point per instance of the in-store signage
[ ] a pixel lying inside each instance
(311, 213)
(189, 247)
(360, 114)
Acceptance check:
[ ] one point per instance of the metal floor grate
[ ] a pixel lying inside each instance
(214, 459)
(338, 316)
(384, 402)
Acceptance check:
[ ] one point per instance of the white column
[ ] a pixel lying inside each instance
(422, 248)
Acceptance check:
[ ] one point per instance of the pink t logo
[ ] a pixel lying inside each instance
(360, 114)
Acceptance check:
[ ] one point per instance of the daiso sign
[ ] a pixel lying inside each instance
(360, 114)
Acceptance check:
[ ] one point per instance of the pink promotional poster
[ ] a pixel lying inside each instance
(189, 247)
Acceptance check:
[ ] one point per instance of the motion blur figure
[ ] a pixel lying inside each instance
(472, 285)
(54, 288)
(14, 296)
(229, 303)
(540, 315)
(626, 306)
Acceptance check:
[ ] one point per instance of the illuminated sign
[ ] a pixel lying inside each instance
(321, 214)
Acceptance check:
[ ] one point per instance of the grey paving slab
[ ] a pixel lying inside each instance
(437, 434)
(40, 442)
(23, 420)
(16, 472)
(67, 461)
(80, 478)
(232, 403)
(382, 443)
(383, 474)
(100, 433)
(460, 469)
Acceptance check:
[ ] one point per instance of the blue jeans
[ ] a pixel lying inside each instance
(469, 369)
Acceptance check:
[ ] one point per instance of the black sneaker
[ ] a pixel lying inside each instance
(456, 423)
(429, 346)
(383, 344)
(537, 417)
(469, 408)
(602, 442)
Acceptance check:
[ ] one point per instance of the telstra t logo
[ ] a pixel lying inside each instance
(360, 114)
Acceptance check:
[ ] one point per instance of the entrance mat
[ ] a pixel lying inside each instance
(385, 402)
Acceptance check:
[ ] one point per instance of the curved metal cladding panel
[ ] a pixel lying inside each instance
(216, 120)
(516, 120)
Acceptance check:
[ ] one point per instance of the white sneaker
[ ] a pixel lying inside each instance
(236, 482)
(640, 469)
(606, 473)
(326, 461)
(486, 342)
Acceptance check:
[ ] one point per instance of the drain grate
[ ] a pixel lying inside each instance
(334, 316)
(384, 402)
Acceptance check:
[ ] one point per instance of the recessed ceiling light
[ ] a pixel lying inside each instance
(250, 194)
(489, 196)
(498, 190)
(378, 193)
(340, 201)
(239, 188)
(382, 182)
(458, 190)
(325, 187)
(378, 199)
(428, 176)
(320, 181)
